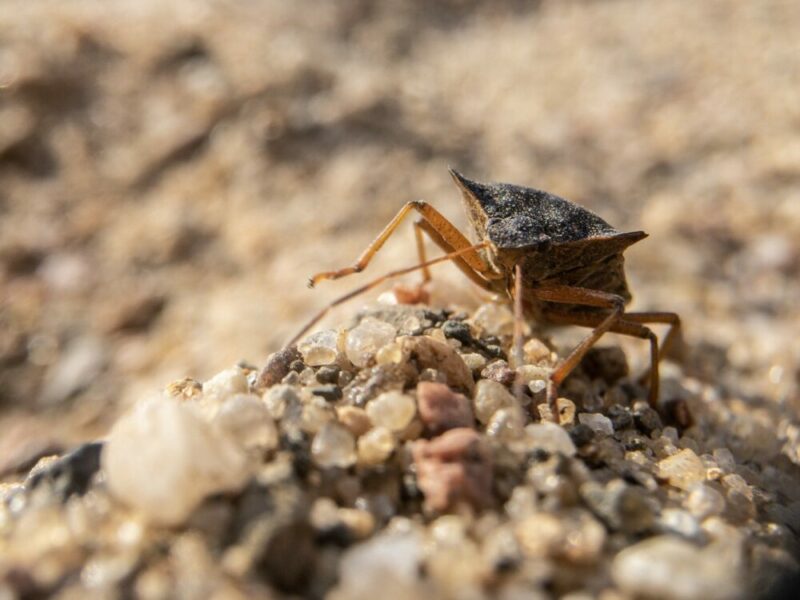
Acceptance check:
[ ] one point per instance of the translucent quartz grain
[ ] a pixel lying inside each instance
(550, 437)
(476, 362)
(506, 424)
(334, 446)
(490, 397)
(680, 522)
(319, 348)
(536, 351)
(364, 340)
(704, 501)
(668, 567)
(375, 446)
(682, 469)
(393, 410)
(528, 374)
(390, 354)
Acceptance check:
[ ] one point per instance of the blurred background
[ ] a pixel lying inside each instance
(172, 172)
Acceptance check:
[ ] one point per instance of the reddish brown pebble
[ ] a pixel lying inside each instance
(500, 372)
(277, 366)
(453, 468)
(440, 408)
(411, 294)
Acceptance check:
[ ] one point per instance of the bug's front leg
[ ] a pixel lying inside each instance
(435, 223)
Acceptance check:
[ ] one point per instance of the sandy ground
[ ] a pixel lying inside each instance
(171, 174)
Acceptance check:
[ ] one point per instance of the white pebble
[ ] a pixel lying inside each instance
(671, 568)
(364, 340)
(704, 501)
(334, 446)
(386, 567)
(375, 446)
(224, 384)
(537, 386)
(506, 424)
(680, 522)
(278, 398)
(550, 437)
(163, 459)
(682, 469)
(474, 361)
(393, 410)
(490, 396)
(597, 423)
(247, 419)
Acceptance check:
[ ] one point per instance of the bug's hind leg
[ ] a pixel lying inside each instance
(673, 340)
(602, 322)
(624, 326)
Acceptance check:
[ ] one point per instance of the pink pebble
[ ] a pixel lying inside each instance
(440, 408)
(453, 468)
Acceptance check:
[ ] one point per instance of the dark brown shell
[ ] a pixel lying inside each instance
(553, 239)
(521, 217)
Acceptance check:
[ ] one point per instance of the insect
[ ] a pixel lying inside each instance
(557, 261)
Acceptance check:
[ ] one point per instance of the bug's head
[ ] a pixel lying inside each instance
(498, 213)
(476, 202)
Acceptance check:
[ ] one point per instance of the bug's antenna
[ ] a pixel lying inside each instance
(376, 282)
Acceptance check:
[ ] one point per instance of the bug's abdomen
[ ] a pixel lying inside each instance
(606, 276)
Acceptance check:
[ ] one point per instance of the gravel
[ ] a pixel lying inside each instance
(171, 175)
(278, 490)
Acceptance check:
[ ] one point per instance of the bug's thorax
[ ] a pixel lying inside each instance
(552, 239)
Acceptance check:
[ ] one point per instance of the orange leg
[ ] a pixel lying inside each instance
(376, 282)
(631, 324)
(423, 227)
(478, 277)
(674, 334)
(436, 222)
(519, 323)
(563, 294)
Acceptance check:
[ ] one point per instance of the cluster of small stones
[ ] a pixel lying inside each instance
(393, 459)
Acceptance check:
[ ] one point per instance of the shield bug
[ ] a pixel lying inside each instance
(559, 263)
